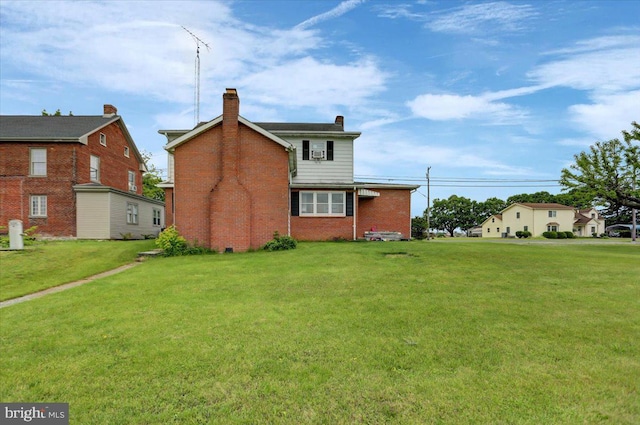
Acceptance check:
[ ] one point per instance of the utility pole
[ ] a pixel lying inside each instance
(428, 205)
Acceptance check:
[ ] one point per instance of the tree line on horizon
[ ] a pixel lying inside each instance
(604, 177)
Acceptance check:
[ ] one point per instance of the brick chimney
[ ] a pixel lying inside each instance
(110, 110)
(230, 133)
(230, 201)
(340, 121)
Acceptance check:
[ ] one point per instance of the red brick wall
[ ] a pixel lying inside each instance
(168, 207)
(114, 166)
(67, 165)
(264, 172)
(321, 228)
(61, 218)
(223, 213)
(391, 212)
(197, 171)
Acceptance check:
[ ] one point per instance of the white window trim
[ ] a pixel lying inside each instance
(32, 162)
(132, 182)
(103, 139)
(91, 168)
(126, 151)
(40, 209)
(330, 204)
(157, 217)
(132, 213)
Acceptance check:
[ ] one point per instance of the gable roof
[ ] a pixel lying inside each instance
(61, 129)
(543, 206)
(202, 127)
(17, 128)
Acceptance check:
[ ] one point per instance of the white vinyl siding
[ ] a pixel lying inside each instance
(38, 162)
(102, 214)
(339, 170)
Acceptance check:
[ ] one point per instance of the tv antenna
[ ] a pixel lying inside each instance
(196, 100)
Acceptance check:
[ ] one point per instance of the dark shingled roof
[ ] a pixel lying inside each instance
(293, 126)
(34, 127)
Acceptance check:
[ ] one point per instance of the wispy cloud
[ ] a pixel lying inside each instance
(337, 11)
(443, 107)
(483, 17)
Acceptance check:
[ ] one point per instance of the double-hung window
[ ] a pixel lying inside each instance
(38, 206)
(132, 213)
(552, 213)
(38, 162)
(132, 181)
(157, 217)
(103, 139)
(94, 168)
(322, 203)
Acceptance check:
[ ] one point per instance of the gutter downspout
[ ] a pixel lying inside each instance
(355, 214)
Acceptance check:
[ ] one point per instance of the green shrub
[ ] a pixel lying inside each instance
(569, 234)
(171, 243)
(519, 234)
(550, 235)
(561, 235)
(526, 233)
(280, 243)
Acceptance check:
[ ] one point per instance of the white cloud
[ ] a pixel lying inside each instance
(612, 70)
(441, 107)
(337, 11)
(608, 115)
(483, 17)
(308, 82)
(142, 50)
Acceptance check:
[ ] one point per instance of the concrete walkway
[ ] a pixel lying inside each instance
(66, 286)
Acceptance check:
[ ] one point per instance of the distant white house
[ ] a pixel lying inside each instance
(538, 218)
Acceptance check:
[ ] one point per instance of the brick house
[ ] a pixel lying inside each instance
(74, 176)
(232, 183)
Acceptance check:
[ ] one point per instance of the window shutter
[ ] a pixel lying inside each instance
(349, 206)
(305, 150)
(329, 150)
(295, 204)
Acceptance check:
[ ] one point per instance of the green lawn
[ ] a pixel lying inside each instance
(341, 333)
(53, 263)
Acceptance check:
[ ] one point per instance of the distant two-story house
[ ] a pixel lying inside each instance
(232, 183)
(538, 218)
(74, 176)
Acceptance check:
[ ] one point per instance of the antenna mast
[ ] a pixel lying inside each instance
(196, 101)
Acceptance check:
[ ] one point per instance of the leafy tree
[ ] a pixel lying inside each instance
(150, 180)
(608, 172)
(418, 227)
(483, 210)
(538, 197)
(57, 113)
(452, 213)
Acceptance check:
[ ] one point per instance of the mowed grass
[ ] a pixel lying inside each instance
(54, 263)
(341, 333)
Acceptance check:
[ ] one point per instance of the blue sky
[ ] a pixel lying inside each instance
(496, 97)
